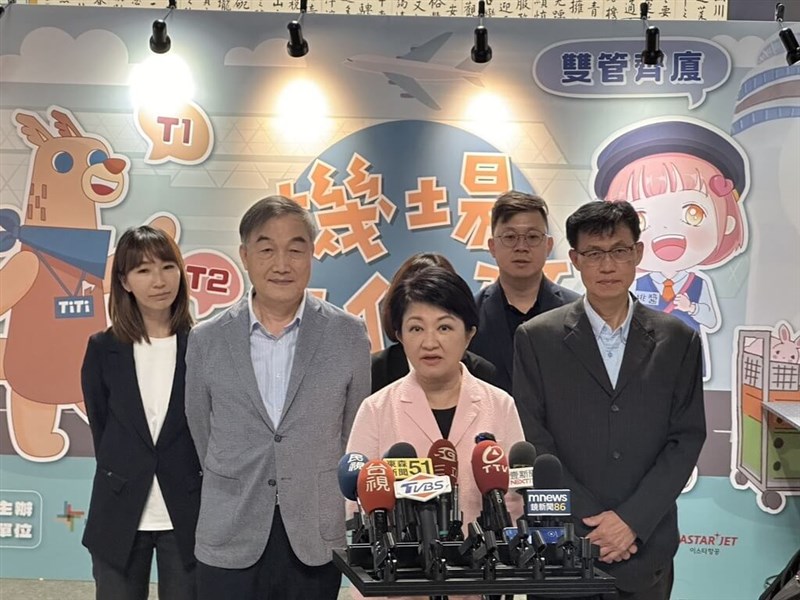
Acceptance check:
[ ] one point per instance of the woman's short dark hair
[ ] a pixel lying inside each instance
(412, 265)
(438, 287)
(602, 218)
(134, 247)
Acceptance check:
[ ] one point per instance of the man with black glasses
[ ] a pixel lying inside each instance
(614, 390)
(520, 244)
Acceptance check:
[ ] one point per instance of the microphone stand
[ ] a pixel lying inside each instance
(482, 549)
(520, 548)
(567, 545)
(432, 560)
(384, 561)
(455, 534)
(539, 562)
(357, 526)
(587, 553)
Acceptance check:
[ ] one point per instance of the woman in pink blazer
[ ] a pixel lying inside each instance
(435, 317)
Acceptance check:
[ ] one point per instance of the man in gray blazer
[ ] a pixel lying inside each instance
(272, 387)
(615, 391)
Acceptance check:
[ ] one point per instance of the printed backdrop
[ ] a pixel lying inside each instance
(398, 143)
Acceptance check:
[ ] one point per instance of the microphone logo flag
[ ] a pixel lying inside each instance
(377, 477)
(447, 453)
(492, 454)
(519, 478)
(422, 487)
(355, 461)
(548, 503)
(493, 459)
(408, 467)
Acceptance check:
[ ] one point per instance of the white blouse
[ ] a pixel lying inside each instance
(155, 370)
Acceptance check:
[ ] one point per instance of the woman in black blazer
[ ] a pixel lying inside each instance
(146, 491)
(391, 364)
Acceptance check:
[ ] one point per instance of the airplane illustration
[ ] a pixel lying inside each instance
(408, 70)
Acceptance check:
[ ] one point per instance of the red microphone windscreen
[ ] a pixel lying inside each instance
(376, 486)
(490, 467)
(445, 459)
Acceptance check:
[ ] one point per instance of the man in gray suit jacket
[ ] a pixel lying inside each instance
(615, 391)
(272, 387)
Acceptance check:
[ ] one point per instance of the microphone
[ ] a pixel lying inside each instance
(445, 462)
(553, 505)
(490, 470)
(548, 502)
(424, 490)
(549, 488)
(404, 515)
(548, 472)
(521, 455)
(402, 457)
(483, 436)
(521, 458)
(349, 467)
(401, 450)
(376, 492)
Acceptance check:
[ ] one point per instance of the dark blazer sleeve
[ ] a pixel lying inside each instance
(480, 367)
(493, 342)
(658, 490)
(95, 392)
(529, 396)
(380, 370)
(388, 366)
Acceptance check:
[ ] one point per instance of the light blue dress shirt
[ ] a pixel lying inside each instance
(610, 343)
(272, 358)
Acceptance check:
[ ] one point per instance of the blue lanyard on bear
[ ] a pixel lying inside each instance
(85, 249)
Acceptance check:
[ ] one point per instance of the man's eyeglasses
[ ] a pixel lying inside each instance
(531, 239)
(618, 255)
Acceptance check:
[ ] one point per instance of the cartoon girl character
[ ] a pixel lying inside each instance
(686, 181)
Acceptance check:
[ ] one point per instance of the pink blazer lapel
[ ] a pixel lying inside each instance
(468, 407)
(416, 407)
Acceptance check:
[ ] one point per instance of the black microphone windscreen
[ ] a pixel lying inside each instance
(547, 472)
(401, 450)
(522, 454)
